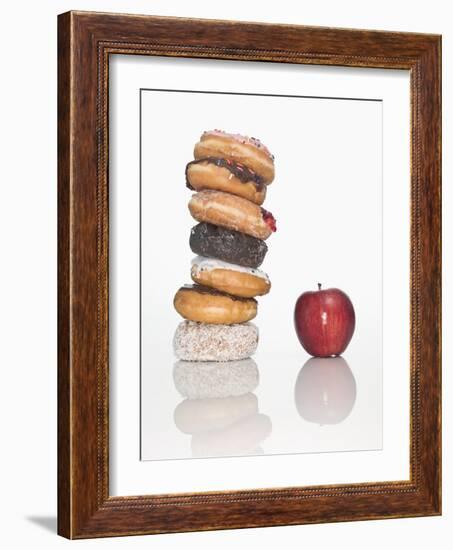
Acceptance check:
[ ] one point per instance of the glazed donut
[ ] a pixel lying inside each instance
(208, 342)
(209, 379)
(227, 245)
(243, 149)
(232, 212)
(225, 175)
(233, 279)
(207, 305)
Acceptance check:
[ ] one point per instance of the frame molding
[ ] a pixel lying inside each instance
(85, 42)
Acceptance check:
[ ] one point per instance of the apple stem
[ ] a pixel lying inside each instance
(319, 286)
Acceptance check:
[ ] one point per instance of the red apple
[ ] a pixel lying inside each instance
(325, 390)
(324, 321)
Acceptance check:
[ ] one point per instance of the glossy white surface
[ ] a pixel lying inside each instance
(320, 406)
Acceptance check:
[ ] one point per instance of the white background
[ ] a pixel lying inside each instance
(28, 290)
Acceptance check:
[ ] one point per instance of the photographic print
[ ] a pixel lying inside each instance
(261, 274)
(249, 274)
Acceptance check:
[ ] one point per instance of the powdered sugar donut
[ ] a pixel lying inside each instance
(207, 342)
(232, 212)
(231, 278)
(243, 149)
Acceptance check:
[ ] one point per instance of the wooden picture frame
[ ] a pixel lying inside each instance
(85, 42)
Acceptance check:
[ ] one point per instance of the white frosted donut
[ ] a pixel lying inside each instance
(207, 342)
(231, 278)
(208, 379)
(232, 212)
(243, 149)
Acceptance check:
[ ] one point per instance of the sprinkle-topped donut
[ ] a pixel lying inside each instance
(238, 148)
(242, 139)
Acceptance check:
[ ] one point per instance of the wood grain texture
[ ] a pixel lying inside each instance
(85, 42)
(64, 369)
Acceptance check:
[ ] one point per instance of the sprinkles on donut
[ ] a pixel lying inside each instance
(250, 152)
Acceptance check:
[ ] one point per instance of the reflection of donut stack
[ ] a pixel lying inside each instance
(220, 411)
(230, 175)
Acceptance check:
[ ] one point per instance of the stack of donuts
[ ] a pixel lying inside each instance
(229, 175)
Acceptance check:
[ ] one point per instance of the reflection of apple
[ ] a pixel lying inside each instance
(324, 321)
(325, 390)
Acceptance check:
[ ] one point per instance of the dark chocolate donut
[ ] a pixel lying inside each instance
(227, 245)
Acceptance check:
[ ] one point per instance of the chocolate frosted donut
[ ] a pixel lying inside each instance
(227, 245)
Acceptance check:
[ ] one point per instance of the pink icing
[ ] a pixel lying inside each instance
(242, 139)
